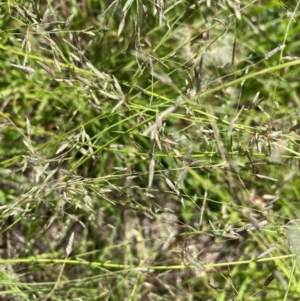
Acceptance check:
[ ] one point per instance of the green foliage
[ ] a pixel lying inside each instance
(150, 150)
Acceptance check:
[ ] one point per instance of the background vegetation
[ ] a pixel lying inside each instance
(149, 150)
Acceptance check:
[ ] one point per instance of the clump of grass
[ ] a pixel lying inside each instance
(150, 150)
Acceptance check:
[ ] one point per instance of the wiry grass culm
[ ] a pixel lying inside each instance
(149, 150)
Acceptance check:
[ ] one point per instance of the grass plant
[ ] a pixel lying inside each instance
(149, 150)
